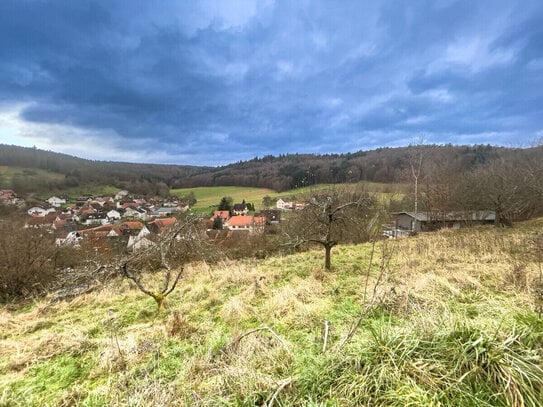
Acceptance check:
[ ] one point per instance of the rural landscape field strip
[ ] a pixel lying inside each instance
(455, 324)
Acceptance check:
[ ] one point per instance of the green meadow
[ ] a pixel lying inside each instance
(28, 179)
(451, 318)
(209, 197)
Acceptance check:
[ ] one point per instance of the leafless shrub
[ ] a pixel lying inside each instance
(169, 251)
(27, 261)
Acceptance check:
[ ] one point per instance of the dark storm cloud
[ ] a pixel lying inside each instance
(214, 82)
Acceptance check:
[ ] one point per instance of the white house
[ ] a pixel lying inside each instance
(56, 201)
(113, 215)
(136, 213)
(140, 241)
(96, 219)
(253, 224)
(39, 211)
(284, 205)
(121, 195)
(164, 211)
(72, 239)
(240, 209)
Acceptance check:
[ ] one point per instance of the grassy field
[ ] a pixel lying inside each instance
(208, 197)
(442, 319)
(29, 179)
(38, 181)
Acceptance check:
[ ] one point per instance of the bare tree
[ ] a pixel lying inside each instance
(332, 217)
(27, 260)
(169, 252)
(415, 164)
(512, 188)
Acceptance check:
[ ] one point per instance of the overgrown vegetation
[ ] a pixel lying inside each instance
(448, 318)
(28, 261)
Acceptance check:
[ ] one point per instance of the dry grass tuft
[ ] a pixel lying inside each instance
(248, 365)
(298, 304)
(237, 310)
(179, 326)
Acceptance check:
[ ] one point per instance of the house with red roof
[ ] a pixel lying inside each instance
(97, 232)
(131, 228)
(6, 195)
(141, 240)
(224, 215)
(253, 224)
(160, 225)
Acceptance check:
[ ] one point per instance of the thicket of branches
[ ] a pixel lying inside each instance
(168, 253)
(28, 261)
(511, 187)
(334, 216)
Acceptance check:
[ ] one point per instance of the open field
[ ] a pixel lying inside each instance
(208, 197)
(446, 319)
(28, 179)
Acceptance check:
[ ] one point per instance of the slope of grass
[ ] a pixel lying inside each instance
(454, 325)
(28, 179)
(208, 197)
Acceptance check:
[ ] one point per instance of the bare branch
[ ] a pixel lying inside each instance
(284, 383)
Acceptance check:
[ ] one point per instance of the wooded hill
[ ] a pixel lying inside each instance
(276, 172)
(138, 178)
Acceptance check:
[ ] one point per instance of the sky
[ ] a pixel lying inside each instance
(215, 82)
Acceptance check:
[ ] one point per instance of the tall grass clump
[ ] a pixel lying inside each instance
(453, 365)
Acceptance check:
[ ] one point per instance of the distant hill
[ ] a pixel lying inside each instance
(383, 165)
(280, 173)
(138, 178)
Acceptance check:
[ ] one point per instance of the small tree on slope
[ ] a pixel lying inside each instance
(332, 217)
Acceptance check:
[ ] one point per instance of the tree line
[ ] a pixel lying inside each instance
(280, 173)
(509, 184)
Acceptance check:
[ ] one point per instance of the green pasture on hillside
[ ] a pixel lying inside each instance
(208, 197)
(29, 179)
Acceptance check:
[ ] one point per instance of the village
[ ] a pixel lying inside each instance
(132, 221)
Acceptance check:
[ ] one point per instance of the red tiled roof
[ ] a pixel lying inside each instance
(59, 223)
(224, 215)
(244, 220)
(98, 231)
(87, 210)
(135, 225)
(162, 223)
(7, 194)
(130, 205)
(38, 220)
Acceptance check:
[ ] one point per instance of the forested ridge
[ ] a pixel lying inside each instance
(276, 172)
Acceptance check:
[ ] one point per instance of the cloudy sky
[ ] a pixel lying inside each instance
(214, 82)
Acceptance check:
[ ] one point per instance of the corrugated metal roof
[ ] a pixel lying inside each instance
(451, 216)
